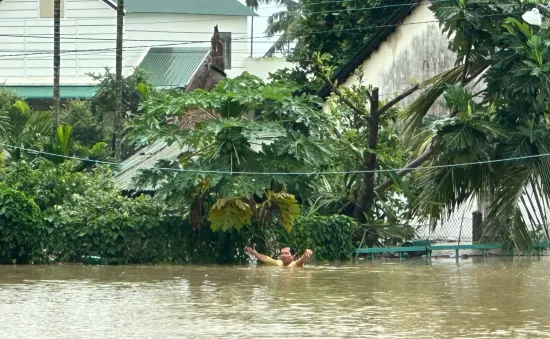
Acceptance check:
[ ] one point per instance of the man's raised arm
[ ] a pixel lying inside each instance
(304, 258)
(262, 257)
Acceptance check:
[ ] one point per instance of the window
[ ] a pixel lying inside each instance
(226, 41)
(46, 8)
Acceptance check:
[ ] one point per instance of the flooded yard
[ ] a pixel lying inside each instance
(474, 298)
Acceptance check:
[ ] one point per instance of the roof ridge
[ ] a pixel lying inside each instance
(371, 45)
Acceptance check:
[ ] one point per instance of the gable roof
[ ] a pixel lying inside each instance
(199, 7)
(371, 45)
(173, 67)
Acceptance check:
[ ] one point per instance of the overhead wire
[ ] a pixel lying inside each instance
(250, 39)
(229, 172)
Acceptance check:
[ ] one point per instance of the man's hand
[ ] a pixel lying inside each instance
(305, 257)
(250, 251)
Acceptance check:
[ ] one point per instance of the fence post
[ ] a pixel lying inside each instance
(477, 231)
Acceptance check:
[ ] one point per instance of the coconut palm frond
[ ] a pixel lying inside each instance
(504, 217)
(279, 22)
(434, 87)
(284, 39)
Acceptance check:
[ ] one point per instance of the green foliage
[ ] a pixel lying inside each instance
(104, 100)
(229, 213)
(338, 28)
(508, 119)
(87, 127)
(329, 237)
(283, 206)
(61, 145)
(255, 127)
(21, 226)
(50, 213)
(23, 128)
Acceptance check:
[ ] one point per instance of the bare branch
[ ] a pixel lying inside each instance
(410, 166)
(398, 99)
(370, 96)
(340, 95)
(478, 93)
(454, 112)
(476, 74)
(466, 63)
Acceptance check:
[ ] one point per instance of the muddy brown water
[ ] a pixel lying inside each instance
(475, 298)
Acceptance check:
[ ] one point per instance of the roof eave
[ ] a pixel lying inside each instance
(369, 47)
(109, 3)
(236, 15)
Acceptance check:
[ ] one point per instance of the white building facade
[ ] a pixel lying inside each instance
(88, 37)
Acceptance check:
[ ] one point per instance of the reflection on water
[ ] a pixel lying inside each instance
(485, 298)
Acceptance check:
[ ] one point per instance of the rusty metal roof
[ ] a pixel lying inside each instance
(145, 158)
(173, 67)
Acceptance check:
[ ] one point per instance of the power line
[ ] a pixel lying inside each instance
(230, 18)
(50, 36)
(219, 19)
(392, 170)
(250, 39)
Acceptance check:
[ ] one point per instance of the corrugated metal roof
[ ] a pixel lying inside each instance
(173, 67)
(201, 7)
(145, 158)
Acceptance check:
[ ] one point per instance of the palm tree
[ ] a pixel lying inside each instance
(506, 128)
(284, 22)
(517, 192)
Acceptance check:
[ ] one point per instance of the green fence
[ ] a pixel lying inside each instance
(425, 248)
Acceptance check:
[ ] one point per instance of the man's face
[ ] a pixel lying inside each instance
(285, 256)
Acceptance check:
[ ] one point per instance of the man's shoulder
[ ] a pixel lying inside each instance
(272, 261)
(294, 264)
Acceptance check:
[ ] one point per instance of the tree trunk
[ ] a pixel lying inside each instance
(366, 198)
(119, 105)
(56, 58)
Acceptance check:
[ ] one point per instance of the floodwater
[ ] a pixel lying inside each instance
(474, 298)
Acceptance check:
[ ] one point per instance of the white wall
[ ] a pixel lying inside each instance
(416, 51)
(184, 30)
(29, 59)
(261, 67)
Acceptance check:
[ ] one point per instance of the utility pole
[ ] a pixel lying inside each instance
(56, 58)
(119, 107)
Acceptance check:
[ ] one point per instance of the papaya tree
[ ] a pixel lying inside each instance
(249, 161)
(263, 155)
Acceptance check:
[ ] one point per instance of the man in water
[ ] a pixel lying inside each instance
(286, 257)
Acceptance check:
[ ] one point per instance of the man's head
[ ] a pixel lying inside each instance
(287, 255)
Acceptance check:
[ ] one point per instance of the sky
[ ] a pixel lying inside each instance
(261, 44)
